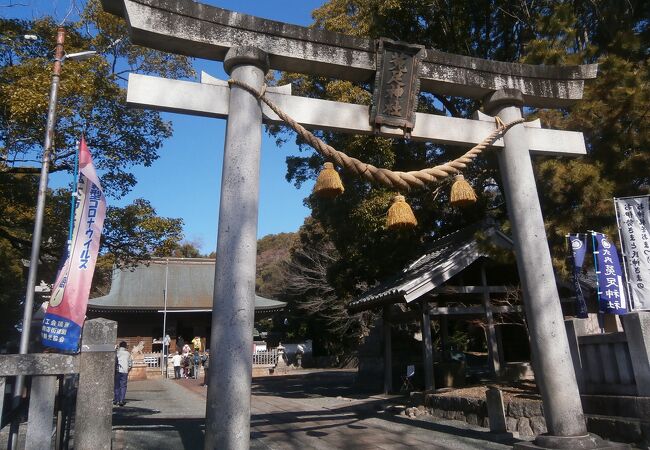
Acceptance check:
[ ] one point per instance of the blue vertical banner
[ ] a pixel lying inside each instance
(578, 244)
(611, 287)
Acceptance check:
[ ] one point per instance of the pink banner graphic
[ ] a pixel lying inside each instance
(67, 307)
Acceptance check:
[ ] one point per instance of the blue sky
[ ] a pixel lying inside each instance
(185, 181)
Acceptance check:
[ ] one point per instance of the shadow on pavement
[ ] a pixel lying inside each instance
(452, 430)
(293, 420)
(126, 414)
(156, 433)
(348, 416)
(305, 385)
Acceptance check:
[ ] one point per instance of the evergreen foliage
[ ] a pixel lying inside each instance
(92, 100)
(576, 193)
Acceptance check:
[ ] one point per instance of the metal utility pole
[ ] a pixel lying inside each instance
(42, 192)
(165, 353)
(38, 223)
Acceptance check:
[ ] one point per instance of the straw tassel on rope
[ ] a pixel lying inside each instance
(462, 193)
(328, 184)
(400, 215)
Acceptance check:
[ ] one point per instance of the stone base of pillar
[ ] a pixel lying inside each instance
(588, 442)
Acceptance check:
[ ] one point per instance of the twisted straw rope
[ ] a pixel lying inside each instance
(401, 181)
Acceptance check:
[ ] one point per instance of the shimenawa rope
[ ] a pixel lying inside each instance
(401, 181)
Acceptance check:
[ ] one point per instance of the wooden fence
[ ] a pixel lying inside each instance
(613, 363)
(95, 365)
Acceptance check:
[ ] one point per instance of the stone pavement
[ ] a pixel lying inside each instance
(312, 410)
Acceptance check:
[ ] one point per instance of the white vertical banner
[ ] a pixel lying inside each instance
(633, 215)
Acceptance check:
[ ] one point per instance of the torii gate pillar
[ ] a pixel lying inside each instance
(551, 356)
(227, 424)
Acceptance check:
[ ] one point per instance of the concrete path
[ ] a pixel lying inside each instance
(313, 410)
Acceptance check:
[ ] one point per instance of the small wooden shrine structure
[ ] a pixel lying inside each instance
(449, 281)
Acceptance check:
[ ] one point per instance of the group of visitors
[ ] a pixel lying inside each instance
(187, 363)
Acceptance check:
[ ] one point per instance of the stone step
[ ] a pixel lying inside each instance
(617, 405)
(620, 429)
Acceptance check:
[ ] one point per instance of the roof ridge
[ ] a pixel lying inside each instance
(176, 259)
(434, 245)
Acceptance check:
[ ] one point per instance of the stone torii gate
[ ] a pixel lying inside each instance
(249, 47)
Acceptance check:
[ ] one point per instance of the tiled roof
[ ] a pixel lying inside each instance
(190, 283)
(448, 256)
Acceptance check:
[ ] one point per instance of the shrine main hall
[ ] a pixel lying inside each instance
(136, 301)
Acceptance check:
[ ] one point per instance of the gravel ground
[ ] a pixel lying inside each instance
(523, 389)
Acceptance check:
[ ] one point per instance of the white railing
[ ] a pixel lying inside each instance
(152, 360)
(267, 358)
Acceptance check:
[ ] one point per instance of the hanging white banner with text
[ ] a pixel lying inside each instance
(634, 220)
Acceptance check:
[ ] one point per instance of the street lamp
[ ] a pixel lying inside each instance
(59, 57)
(80, 56)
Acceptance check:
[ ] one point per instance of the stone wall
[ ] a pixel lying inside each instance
(470, 410)
(525, 416)
(618, 418)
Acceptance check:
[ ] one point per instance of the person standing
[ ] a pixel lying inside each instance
(166, 341)
(197, 360)
(196, 342)
(185, 361)
(206, 365)
(176, 362)
(123, 364)
(188, 364)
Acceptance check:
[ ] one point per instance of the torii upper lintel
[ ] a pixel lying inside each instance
(198, 30)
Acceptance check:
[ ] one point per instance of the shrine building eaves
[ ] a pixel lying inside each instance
(448, 256)
(203, 31)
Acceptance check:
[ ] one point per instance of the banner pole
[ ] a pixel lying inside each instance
(164, 362)
(625, 259)
(601, 318)
(576, 258)
(73, 197)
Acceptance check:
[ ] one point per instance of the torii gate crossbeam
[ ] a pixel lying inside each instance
(203, 31)
(210, 99)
